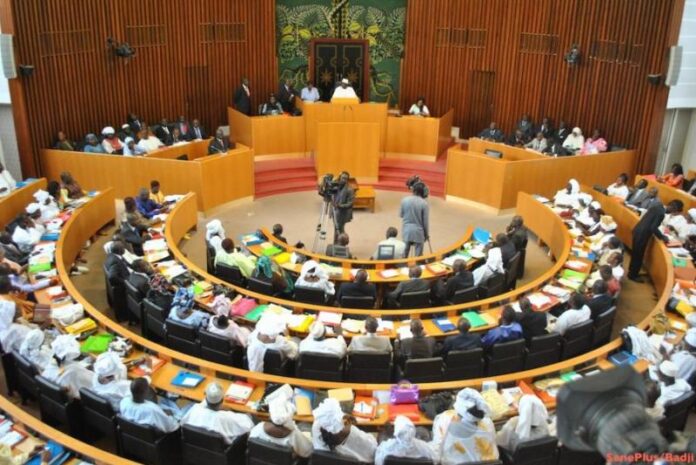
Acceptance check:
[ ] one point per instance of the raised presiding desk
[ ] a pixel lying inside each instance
(495, 181)
(367, 123)
(216, 179)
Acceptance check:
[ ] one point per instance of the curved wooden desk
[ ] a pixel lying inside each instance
(16, 201)
(88, 219)
(373, 267)
(669, 193)
(548, 227)
(46, 432)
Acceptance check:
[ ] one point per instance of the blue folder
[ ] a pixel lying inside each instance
(481, 235)
(186, 379)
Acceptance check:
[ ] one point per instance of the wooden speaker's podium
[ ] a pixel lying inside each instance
(345, 101)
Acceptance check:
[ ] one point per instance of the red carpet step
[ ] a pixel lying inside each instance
(298, 174)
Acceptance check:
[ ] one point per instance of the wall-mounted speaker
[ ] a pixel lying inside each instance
(675, 64)
(9, 69)
(26, 70)
(654, 79)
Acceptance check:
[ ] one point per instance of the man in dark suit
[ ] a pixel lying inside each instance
(546, 128)
(135, 123)
(562, 132)
(174, 138)
(196, 131)
(492, 133)
(140, 277)
(287, 95)
(219, 144)
(418, 346)
(462, 278)
(517, 233)
(134, 233)
(533, 323)
(601, 301)
(163, 131)
(517, 139)
(242, 98)
(414, 284)
(507, 248)
(359, 287)
(648, 225)
(555, 148)
(343, 205)
(462, 341)
(115, 264)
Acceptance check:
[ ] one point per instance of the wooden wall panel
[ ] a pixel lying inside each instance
(191, 55)
(456, 50)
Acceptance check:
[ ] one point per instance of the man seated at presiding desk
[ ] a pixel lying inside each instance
(344, 90)
(391, 247)
(492, 133)
(219, 144)
(310, 93)
(271, 107)
(414, 284)
(370, 342)
(359, 287)
(419, 108)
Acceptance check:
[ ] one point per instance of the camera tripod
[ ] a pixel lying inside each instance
(326, 218)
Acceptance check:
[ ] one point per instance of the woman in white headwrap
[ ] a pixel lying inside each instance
(64, 369)
(493, 265)
(11, 334)
(465, 434)
(574, 141)
(568, 196)
(281, 429)
(314, 276)
(214, 234)
(34, 351)
(49, 207)
(333, 431)
(269, 334)
(404, 443)
(110, 379)
(530, 424)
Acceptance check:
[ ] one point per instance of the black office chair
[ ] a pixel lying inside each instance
(200, 445)
(385, 252)
(676, 413)
(108, 287)
(261, 452)
(363, 301)
(543, 350)
(154, 318)
(391, 460)
(183, 338)
(505, 357)
(325, 457)
(463, 364)
(423, 370)
(261, 287)
(420, 299)
(495, 285)
(26, 378)
(134, 301)
(541, 451)
(230, 274)
(323, 367)
(116, 295)
(601, 332)
(209, 258)
(98, 415)
(220, 349)
(463, 296)
(369, 367)
(147, 445)
(57, 408)
(572, 457)
(512, 272)
(577, 340)
(309, 295)
(274, 363)
(10, 370)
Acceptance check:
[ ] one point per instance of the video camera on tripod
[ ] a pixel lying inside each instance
(328, 186)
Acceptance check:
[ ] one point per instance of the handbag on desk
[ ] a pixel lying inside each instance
(404, 393)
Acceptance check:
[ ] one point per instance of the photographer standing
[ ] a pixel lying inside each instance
(415, 219)
(343, 204)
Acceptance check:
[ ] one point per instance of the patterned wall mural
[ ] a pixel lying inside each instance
(380, 22)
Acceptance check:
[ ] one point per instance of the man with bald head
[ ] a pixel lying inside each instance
(414, 284)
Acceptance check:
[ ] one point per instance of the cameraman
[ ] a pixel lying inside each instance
(343, 204)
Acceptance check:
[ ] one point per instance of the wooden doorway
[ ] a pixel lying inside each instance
(480, 98)
(334, 59)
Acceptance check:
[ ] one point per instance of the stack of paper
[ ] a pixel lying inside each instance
(576, 265)
(556, 291)
(174, 271)
(239, 392)
(300, 323)
(385, 326)
(330, 318)
(353, 326)
(388, 274)
(539, 300)
(154, 245)
(496, 403)
(404, 332)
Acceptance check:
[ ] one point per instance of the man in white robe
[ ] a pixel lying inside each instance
(404, 443)
(671, 387)
(208, 415)
(110, 379)
(137, 409)
(530, 424)
(7, 182)
(345, 90)
(317, 342)
(685, 359)
(34, 350)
